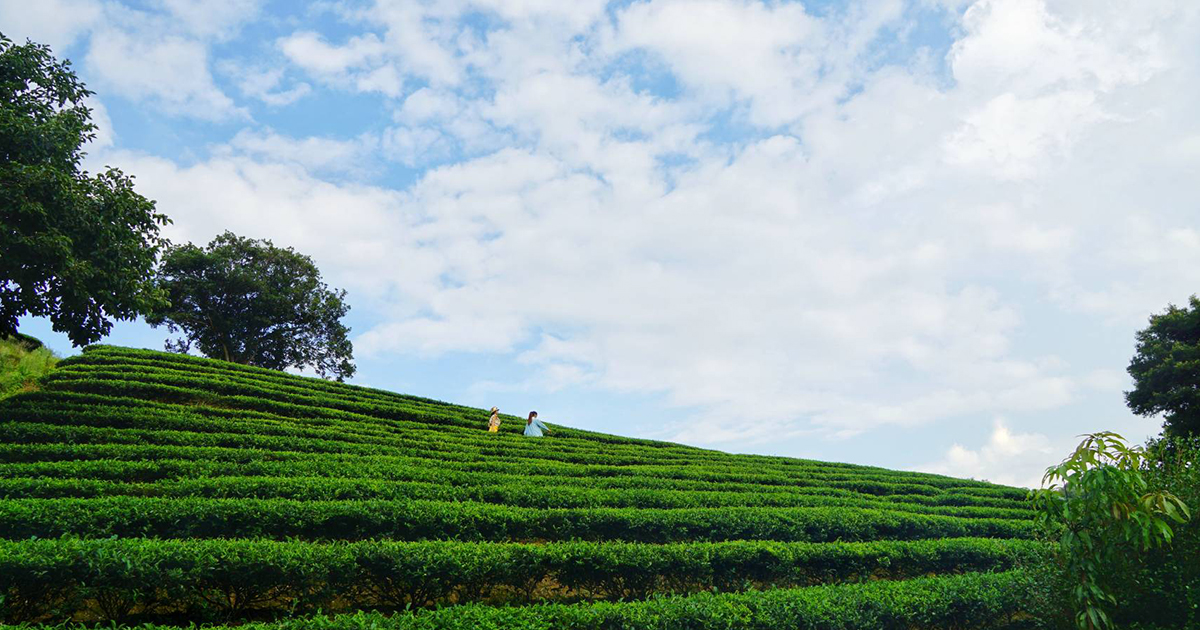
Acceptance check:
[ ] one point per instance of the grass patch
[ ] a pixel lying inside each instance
(23, 362)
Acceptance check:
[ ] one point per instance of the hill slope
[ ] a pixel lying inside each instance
(139, 485)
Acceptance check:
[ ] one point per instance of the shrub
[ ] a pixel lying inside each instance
(23, 361)
(1164, 587)
(1100, 510)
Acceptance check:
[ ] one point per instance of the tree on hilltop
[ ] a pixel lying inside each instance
(1166, 369)
(250, 302)
(74, 247)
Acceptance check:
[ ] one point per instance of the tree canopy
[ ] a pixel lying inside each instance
(250, 302)
(1166, 369)
(77, 248)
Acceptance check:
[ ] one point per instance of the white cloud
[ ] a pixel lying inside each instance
(1107, 380)
(869, 244)
(426, 104)
(158, 54)
(751, 285)
(105, 135)
(699, 320)
(1017, 139)
(265, 84)
(311, 52)
(433, 43)
(359, 63)
(1024, 47)
(1016, 459)
(57, 23)
(217, 19)
(1006, 229)
(348, 228)
(413, 146)
(313, 153)
(169, 70)
(781, 59)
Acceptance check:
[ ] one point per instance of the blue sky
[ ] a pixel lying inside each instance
(917, 234)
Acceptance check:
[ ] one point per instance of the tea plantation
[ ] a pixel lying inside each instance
(145, 487)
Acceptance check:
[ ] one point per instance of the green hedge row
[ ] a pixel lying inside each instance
(405, 436)
(429, 520)
(340, 436)
(976, 601)
(32, 451)
(512, 491)
(114, 355)
(100, 355)
(329, 434)
(285, 402)
(390, 469)
(222, 382)
(281, 382)
(102, 580)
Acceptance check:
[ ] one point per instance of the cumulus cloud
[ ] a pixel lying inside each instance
(57, 23)
(780, 60)
(171, 71)
(348, 228)
(1016, 459)
(310, 51)
(158, 54)
(211, 19)
(794, 237)
(265, 84)
(316, 154)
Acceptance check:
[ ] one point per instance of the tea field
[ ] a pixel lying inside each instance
(145, 487)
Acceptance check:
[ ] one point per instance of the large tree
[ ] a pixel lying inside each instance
(1166, 369)
(247, 301)
(74, 247)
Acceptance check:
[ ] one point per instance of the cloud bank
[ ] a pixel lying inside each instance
(790, 223)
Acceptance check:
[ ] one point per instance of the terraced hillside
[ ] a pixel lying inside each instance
(139, 485)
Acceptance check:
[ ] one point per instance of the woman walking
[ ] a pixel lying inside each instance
(534, 427)
(494, 421)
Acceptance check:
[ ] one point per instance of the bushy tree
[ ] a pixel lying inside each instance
(1166, 369)
(250, 302)
(77, 248)
(1100, 510)
(1164, 592)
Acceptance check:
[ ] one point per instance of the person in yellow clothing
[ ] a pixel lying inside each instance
(494, 421)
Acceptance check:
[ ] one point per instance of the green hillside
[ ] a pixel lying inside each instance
(142, 486)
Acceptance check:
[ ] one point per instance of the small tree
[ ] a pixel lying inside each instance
(1166, 369)
(1097, 506)
(250, 302)
(77, 248)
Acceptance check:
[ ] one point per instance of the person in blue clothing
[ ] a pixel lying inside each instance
(534, 427)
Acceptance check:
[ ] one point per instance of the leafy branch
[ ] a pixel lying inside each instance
(1098, 506)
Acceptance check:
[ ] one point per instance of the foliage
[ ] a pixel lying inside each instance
(1164, 588)
(22, 364)
(966, 602)
(125, 388)
(250, 302)
(1166, 369)
(78, 248)
(1098, 506)
(207, 491)
(201, 574)
(191, 517)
